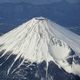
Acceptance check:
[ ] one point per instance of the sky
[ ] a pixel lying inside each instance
(38, 2)
(63, 12)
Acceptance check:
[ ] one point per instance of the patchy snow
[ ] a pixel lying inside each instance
(41, 39)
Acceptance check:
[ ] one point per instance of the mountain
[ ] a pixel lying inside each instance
(41, 50)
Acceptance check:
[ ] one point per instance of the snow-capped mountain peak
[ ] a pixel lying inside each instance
(34, 41)
(40, 40)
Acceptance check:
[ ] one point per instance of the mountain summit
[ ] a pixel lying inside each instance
(40, 40)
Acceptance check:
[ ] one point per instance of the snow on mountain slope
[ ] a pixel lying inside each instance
(42, 40)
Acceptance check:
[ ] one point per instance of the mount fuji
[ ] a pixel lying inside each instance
(40, 50)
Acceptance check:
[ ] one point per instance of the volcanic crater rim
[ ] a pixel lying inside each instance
(40, 18)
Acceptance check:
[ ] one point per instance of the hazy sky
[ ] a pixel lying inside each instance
(40, 1)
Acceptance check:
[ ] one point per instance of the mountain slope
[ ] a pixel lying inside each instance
(41, 40)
